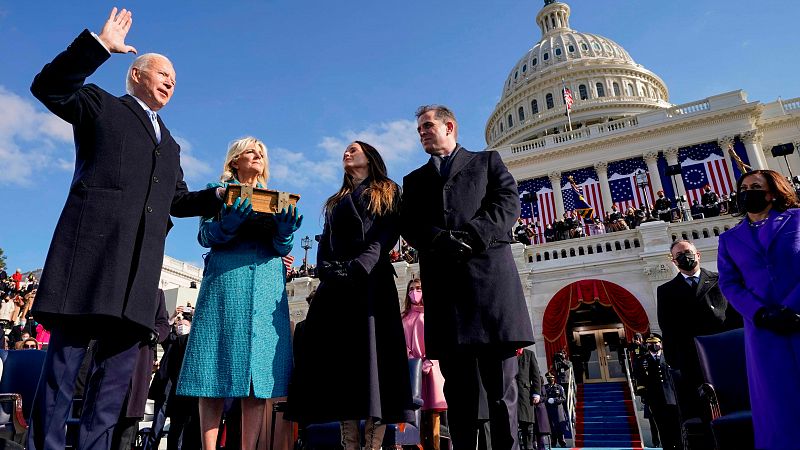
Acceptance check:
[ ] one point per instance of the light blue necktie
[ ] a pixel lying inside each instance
(154, 120)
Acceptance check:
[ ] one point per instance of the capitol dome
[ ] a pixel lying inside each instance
(605, 82)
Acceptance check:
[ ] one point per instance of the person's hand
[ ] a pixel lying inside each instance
(232, 217)
(535, 399)
(454, 244)
(114, 31)
(333, 271)
(288, 221)
(777, 318)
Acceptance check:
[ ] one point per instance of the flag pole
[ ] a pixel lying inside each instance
(566, 105)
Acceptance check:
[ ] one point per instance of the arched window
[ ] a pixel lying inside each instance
(558, 51)
(616, 89)
(549, 99)
(501, 126)
(584, 47)
(596, 46)
(629, 90)
(571, 48)
(521, 114)
(524, 68)
(510, 121)
(535, 60)
(582, 92)
(546, 56)
(515, 75)
(534, 107)
(601, 92)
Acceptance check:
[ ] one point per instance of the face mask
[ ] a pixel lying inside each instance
(181, 329)
(415, 297)
(686, 261)
(654, 348)
(753, 201)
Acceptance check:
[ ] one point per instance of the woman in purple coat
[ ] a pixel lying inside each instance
(759, 262)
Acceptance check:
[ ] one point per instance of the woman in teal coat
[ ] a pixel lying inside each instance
(240, 344)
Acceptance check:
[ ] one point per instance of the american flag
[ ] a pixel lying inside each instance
(586, 179)
(543, 208)
(567, 97)
(622, 181)
(288, 260)
(704, 164)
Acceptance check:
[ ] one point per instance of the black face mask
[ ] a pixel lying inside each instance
(653, 348)
(753, 201)
(686, 261)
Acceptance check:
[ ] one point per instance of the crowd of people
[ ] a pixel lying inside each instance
(572, 225)
(233, 358)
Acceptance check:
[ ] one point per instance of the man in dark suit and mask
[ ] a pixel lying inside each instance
(101, 274)
(691, 305)
(458, 211)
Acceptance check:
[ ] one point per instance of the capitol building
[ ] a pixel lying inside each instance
(598, 290)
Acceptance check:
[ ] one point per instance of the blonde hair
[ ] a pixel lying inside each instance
(235, 150)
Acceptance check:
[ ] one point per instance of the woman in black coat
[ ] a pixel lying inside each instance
(354, 365)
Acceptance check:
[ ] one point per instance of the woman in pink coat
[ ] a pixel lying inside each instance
(432, 379)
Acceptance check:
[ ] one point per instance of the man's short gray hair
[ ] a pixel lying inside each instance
(142, 62)
(681, 241)
(443, 113)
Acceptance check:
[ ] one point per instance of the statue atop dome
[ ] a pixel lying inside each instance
(549, 2)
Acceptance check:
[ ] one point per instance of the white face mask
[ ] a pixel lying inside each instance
(182, 329)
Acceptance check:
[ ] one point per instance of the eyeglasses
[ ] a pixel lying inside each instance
(27, 346)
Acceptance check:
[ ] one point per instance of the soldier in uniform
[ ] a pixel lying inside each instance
(554, 399)
(663, 207)
(710, 201)
(521, 232)
(531, 412)
(659, 394)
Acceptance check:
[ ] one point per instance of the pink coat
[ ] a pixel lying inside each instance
(432, 379)
(42, 335)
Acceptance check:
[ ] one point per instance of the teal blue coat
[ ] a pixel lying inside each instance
(240, 333)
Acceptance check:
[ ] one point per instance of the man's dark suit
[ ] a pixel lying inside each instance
(476, 316)
(683, 314)
(102, 269)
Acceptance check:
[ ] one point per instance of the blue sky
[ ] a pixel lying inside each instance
(309, 77)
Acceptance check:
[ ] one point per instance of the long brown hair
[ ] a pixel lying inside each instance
(382, 191)
(407, 302)
(784, 195)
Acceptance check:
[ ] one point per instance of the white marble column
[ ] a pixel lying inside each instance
(755, 154)
(724, 143)
(555, 181)
(651, 159)
(601, 167)
(671, 154)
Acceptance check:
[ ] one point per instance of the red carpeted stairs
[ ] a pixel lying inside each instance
(605, 417)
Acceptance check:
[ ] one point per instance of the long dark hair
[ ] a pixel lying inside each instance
(407, 301)
(784, 195)
(382, 191)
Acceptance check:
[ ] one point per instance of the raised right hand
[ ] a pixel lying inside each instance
(232, 217)
(114, 31)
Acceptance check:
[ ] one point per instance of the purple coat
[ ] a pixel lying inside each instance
(759, 267)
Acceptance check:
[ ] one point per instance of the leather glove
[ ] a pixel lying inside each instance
(333, 271)
(452, 243)
(777, 318)
(288, 221)
(232, 217)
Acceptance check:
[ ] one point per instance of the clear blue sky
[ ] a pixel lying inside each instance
(308, 77)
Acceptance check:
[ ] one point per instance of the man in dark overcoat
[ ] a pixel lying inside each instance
(531, 411)
(102, 269)
(691, 305)
(659, 394)
(458, 211)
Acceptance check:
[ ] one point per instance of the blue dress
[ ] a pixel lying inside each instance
(240, 332)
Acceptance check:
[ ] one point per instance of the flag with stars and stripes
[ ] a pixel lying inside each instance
(588, 186)
(622, 180)
(704, 164)
(288, 260)
(567, 98)
(542, 208)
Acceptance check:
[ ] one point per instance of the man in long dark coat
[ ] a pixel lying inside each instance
(531, 410)
(101, 273)
(691, 305)
(458, 211)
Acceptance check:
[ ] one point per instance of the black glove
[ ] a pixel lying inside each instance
(454, 244)
(777, 318)
(333, 271)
